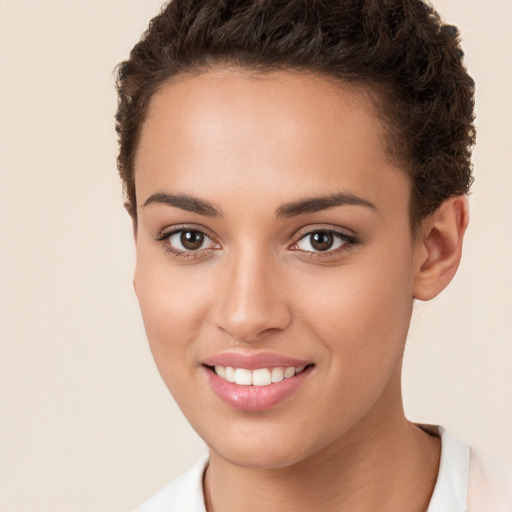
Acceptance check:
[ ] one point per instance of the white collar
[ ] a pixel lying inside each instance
(451, 490)
(185, 493)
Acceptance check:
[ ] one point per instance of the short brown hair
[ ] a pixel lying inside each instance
(400, 49)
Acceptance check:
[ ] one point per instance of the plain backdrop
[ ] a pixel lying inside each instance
(85, 423)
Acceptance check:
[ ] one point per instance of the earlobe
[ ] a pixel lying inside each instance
(439, 247)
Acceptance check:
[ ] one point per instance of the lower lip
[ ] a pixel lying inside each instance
(255, 398)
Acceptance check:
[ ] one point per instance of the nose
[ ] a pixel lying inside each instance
(252, 300)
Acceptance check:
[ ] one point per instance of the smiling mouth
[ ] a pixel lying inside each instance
(258, 376)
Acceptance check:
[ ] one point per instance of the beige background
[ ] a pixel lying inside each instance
(85, 423)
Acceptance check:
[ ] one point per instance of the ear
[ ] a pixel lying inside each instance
(440, 247)
(132, 211)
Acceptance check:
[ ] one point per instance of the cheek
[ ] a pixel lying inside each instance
(173, 304)
(361, 312)
(360, 316)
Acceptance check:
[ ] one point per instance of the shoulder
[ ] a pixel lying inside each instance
(490, 483)
(183, 494)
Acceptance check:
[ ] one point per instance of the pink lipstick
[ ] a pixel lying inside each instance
(255, 382)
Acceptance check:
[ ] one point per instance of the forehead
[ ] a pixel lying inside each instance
(225, 130)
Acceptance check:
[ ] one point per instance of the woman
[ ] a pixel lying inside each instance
(296, 173)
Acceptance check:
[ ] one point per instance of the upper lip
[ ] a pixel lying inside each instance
(253, 361)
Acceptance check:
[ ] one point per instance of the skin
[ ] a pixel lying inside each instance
(248, 145)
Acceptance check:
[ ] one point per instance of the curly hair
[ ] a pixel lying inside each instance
(398, 49)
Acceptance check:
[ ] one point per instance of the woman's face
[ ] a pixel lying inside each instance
(273, 232)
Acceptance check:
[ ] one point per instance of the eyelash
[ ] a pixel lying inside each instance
(347, 242)
(165, 236)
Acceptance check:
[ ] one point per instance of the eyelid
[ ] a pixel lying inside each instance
(348, 236)
(314, 228)
(171, 230)
(164, 235)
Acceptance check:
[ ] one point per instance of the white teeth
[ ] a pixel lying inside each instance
(277, 374)
(229, 374)
(261, 377)
(258, 377)
(289, 372)
(243, 376)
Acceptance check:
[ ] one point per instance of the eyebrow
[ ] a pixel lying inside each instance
(295, 208)
(185, 202)
(319, 203)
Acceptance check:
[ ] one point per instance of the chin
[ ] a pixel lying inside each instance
(259, 457)
(264, 446)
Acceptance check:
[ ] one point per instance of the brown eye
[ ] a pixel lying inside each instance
(189, 240)
(323, 241)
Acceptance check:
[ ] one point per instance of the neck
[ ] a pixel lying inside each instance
(387, 467)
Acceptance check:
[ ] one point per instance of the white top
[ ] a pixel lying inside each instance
(467, 482)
